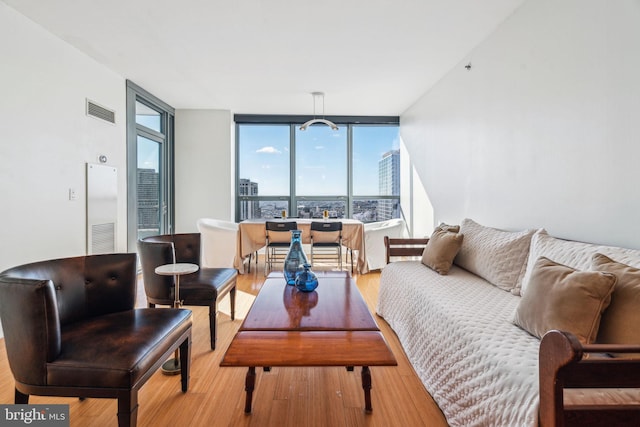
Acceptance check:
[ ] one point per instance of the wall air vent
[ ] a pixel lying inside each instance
(100, 112)
(102, 208)
(103, 238)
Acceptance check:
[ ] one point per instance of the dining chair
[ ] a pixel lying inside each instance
(220, 241)
(277, 242)
(374, 233)
(326, 242)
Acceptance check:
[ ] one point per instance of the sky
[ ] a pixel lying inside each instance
(321, 158)
(148, 154)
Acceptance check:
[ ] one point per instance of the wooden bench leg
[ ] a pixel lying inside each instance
(185, 366)
(366, 385)
(21, 398)
(249, 384)
(213, 311)
(232, 298)
(128, 409)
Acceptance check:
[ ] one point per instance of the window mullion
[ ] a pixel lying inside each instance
(349, 170)
(293, 206)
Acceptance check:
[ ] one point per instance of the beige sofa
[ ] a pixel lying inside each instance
(482, 369)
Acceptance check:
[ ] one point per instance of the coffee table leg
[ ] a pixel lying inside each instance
(249, 383)
(366, 385)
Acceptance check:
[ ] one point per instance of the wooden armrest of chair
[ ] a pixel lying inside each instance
(404, 247)
(566, 363)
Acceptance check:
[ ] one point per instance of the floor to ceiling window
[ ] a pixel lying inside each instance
(321, 178)
(150, 165)
(376, 173)
(263, 182)
(353, 172)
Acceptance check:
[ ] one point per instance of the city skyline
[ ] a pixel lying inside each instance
(387, 179)
(375, 173)
(320, 158)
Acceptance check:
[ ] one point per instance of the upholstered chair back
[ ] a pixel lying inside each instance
(186, 246)
(37, 300)
(166, 249)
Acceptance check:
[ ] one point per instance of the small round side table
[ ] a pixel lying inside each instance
(172, 366)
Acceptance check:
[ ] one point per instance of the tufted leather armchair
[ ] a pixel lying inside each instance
(206, 287)
(71, 329)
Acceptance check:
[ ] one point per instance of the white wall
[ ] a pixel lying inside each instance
(544, 130)
(417, 210)
(204, 167)
(46, 140)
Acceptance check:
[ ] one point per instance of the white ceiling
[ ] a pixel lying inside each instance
(370, 57)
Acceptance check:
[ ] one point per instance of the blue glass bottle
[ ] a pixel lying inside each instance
(295, 258)
(306, 281)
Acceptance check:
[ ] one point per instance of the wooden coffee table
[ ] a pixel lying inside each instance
(330, 326)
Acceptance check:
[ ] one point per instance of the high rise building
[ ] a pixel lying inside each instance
(248, 208)
(389, 185)
(148, 193)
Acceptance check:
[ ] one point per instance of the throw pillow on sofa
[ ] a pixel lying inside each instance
(448, 227)
(573, 254)
(560, 297)
(497, 256)
(620, 321)
(441, 249)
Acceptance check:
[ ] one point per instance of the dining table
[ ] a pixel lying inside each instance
(252, 238)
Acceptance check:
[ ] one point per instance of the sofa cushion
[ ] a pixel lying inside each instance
(441, 249)
(495, 255)
(573, 254)
(457, 331)
(620, 321)
(560, 297)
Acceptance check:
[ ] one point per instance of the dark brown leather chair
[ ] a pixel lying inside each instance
(71, 329)
(206, 287)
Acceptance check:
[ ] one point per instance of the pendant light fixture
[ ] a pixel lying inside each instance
(329, 123)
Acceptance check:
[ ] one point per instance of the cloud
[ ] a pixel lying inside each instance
(269, 150)
(319, 147)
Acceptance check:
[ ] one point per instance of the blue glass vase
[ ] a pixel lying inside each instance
(293, 263)
(306, 281)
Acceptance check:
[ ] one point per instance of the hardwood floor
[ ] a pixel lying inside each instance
(282, 397)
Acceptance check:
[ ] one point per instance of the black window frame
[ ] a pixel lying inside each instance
(294, 121)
